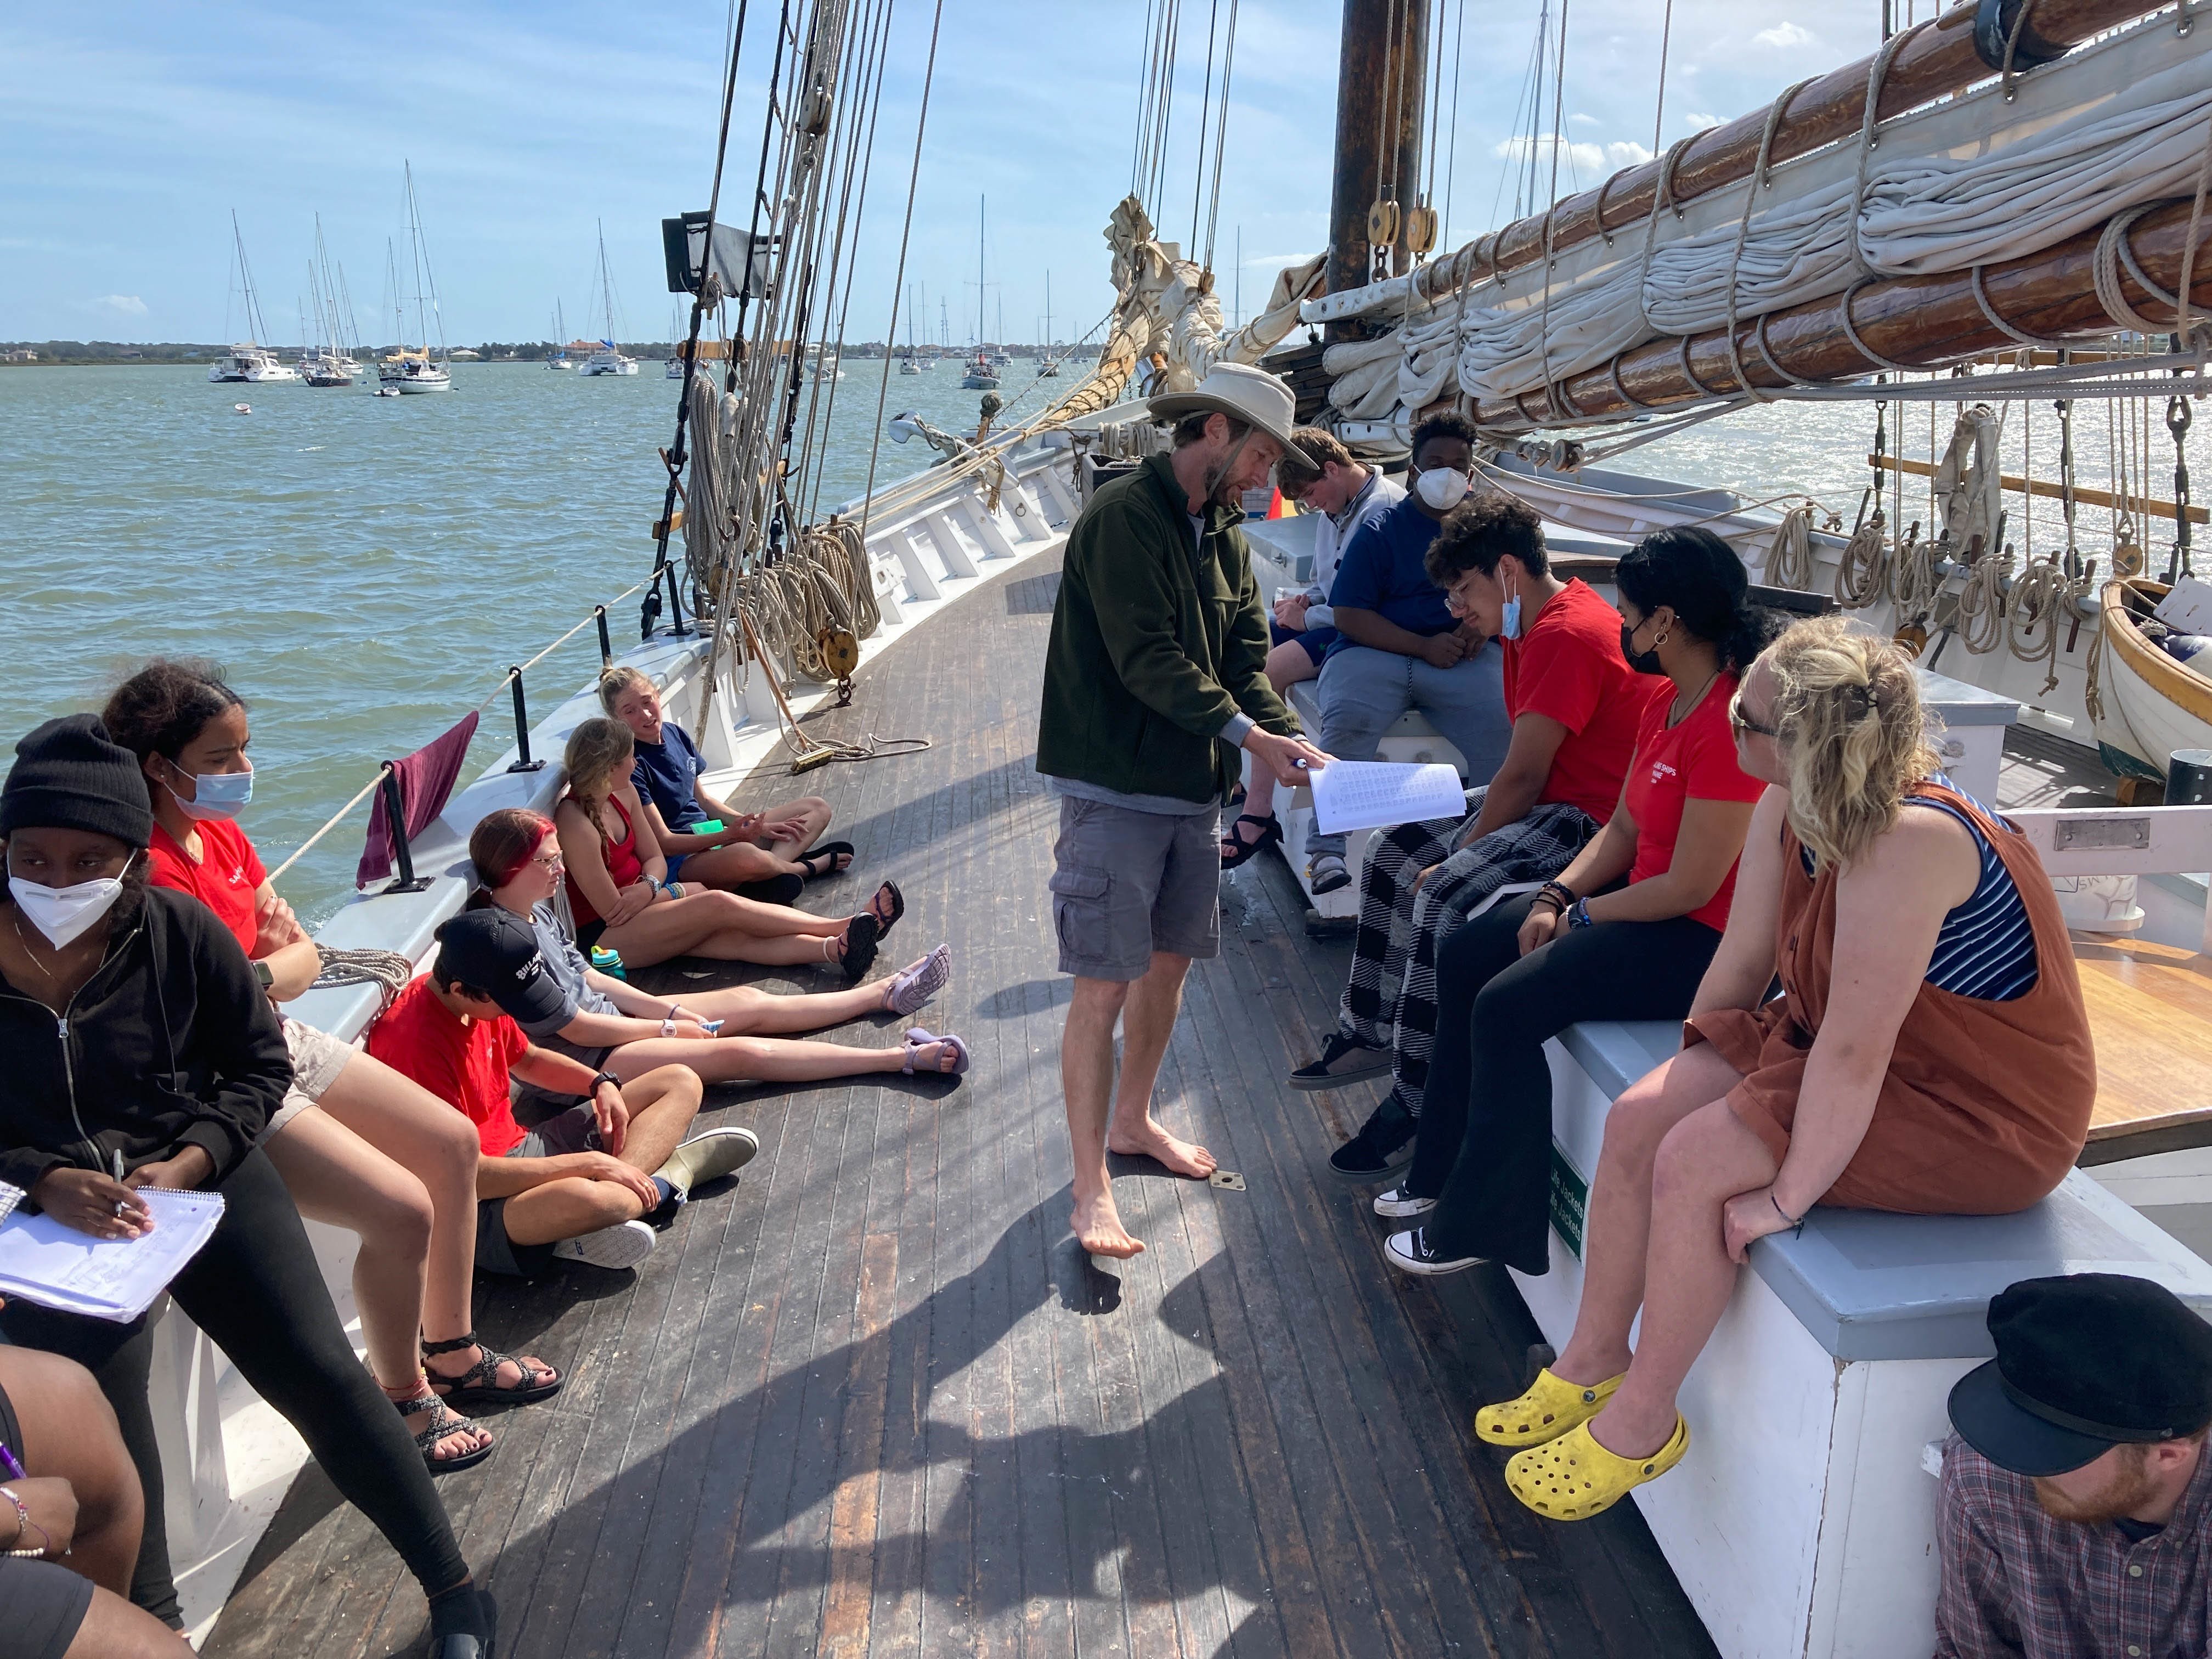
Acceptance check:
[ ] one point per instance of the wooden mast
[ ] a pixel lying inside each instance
(1381, 78)
(1936, 58)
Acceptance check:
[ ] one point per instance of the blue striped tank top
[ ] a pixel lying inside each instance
(1985, 948)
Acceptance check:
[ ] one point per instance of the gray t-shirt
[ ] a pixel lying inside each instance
(565, 964)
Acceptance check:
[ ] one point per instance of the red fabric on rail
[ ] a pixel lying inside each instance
(425, 781)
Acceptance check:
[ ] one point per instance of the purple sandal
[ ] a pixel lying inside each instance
(916, 1038)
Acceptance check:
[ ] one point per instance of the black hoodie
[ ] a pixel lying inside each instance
(171, 1043)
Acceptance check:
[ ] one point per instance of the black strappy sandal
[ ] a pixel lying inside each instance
(883, 924)
(861, 936)
(1246, 851)
(475, 1385)
(830, 850)
(442, 1423)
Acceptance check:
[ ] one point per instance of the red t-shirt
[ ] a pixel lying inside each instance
(1695, 760)
(464, 1065)
(1567, 666)
(228, 879)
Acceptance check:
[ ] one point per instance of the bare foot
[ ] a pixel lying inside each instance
(1182, 1158)
(1098, 1230)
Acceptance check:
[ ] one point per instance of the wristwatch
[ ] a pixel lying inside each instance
(265, 974)
(604, 1077)
(1579, 915)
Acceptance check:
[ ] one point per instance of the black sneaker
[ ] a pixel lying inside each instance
(1412, 1253)
(1342, 1060)
(1383, 1148)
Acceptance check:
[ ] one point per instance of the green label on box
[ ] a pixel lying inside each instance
(1570, 1201)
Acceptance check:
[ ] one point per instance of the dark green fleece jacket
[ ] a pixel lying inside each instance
(1157, 644)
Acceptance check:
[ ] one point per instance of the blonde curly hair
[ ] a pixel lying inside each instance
(1852, 731)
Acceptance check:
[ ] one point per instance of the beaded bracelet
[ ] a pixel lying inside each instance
(25, 1525)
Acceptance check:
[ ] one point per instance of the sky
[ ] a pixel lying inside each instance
(130, 131)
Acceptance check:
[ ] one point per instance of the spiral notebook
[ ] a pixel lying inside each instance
(55, 1267)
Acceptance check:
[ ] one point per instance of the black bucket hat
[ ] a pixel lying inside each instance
(2084, 1364)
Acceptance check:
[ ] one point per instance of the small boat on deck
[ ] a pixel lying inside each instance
(2145, 705)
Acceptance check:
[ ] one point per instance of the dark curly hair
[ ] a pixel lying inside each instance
(1449, 424)
(163, 707)
(1482, 530)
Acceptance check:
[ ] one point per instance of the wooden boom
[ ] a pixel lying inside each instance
(1938, 59)
(1923, 322)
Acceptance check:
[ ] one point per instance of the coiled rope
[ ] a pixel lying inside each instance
(1789, 560)
(1982, 602)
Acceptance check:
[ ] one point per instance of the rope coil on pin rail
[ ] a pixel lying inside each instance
(1789, 558)
(1981, 602)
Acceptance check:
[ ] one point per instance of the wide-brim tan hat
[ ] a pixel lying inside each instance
(1252, 395)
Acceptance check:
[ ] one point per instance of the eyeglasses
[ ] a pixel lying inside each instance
(1742, 722)
(547, 860)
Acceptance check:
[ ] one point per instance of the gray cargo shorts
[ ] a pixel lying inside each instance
(1125, 884)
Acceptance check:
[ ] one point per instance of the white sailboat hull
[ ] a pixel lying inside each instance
(2148, 705)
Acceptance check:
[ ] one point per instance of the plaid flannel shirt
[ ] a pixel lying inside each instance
(2019, 1584)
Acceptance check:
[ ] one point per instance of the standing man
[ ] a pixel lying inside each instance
(1155, 677)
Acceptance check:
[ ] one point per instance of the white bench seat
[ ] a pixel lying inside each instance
(1802, 1521)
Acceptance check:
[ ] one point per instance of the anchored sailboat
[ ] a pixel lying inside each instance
(608, 359)
(249, 361)
(412, 370)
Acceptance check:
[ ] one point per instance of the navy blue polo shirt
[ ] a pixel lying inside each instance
(1382, 571)
(667, 773)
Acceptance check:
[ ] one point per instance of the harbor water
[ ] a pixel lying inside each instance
(364, 569)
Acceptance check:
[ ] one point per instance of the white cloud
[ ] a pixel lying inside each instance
(125, 305)
(1591, 158)
(1785, 34)
(1582, 120)
(1698, 123)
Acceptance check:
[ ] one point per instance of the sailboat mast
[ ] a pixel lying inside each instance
(1379, 74)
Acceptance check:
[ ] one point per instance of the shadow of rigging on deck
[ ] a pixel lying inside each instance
(858, 1482)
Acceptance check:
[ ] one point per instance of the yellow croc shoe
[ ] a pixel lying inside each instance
(1574, 1478)
(1550, 1407)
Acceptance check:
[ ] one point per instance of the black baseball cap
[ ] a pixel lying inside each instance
(495, 951)
(2084, 1364)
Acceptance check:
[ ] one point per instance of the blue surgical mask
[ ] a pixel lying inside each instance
(216, 794)
(1509, 629)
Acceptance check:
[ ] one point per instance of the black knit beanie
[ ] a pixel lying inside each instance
(68, 775)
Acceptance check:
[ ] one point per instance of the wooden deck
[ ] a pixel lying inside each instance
(871, 1400)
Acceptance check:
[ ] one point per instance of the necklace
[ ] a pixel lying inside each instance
(1675, 715)
(16, 922)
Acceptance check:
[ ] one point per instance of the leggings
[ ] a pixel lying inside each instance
(255, 1291)
(1484, 1148)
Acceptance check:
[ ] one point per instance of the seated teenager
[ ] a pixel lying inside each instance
(1342, 495)
(1577, 707)
(1623, 932)
(1402, 647)
(622, 899)
(759, 854)
(725, 1035)
(359, 1146)
(581, 1186)
(70, 1515)
(164, 1072)
(2075, 1514)
(1930, 1054)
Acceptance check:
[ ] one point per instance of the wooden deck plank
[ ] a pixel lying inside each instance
(872, 1400)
